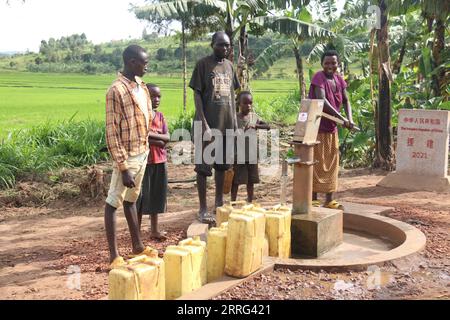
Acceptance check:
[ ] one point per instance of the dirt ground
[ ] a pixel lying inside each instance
(58, 250)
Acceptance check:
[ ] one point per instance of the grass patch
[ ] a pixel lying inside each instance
(34, 152)
(49, 121)
(30, 99)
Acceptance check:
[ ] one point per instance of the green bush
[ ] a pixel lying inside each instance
(43, 148)
(182, 121)
(282, 109)
(358, 148)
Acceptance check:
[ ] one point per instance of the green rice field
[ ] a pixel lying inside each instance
(29, 99)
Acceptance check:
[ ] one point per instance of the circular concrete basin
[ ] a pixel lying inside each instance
(369, 239)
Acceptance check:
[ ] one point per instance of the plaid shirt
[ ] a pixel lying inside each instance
(126, 130)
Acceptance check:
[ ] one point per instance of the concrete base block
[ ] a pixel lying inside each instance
(416, 182)
(316, 233)
(198, 229)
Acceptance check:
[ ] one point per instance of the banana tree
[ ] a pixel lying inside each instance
(196, 17)
(432, 10)
(351, 39)
(385, 152)
(436, 14)
(296, 25)
(238, 22)
(354, 22)
(241, 19)
(232, 16)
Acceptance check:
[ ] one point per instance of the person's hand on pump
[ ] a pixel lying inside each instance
(349, 124)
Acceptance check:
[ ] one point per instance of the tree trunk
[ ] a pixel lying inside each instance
(229, 32)
(346, 69)
(385, 154)
(438, 48)
(398, 63)
(242, 66)
(183, 49)
(372, 72)
(301, 79)
(374, 102)
(363, 69)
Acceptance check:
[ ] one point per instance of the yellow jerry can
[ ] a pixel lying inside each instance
(216, 248)
(197, 249)
(154, 260)
(245, 241)
(266, 246)
(278, 230)
(178, 265)
(136, 281)
(224, 225)
(222, 213)
(260, 231)
(253, 207)
(280, 207)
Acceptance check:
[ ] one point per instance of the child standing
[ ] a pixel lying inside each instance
(247, 173)
(152, 200)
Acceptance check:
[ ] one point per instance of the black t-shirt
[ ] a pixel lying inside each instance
(216, 83)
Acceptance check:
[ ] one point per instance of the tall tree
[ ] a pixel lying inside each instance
(196, 17)
(297, 26)
(238, 22)
(350, 30)
(357, 12)
(384, 150)
(436, 14)
(238, 14)
(243, 18)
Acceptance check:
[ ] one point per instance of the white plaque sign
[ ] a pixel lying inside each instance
(422, 142)
(422, 151)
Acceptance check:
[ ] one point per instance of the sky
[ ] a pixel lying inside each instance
(24, 25)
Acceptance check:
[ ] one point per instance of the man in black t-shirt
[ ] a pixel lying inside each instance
(214, 82)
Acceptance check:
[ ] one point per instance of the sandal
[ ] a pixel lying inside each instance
(148, 251)
(161, 236)
(316, 203)
(207, 219)
(118, 262)
(334, 205)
